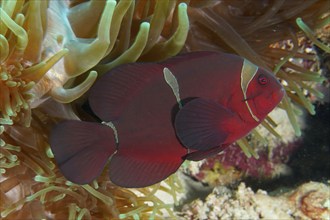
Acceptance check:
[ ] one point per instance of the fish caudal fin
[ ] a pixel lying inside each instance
(137, 170)
(81, 149)
(200, 124)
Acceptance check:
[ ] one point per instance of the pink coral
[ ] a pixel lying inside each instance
(235, 164)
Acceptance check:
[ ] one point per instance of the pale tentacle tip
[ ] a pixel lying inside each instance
(145, 25)
(299, 20)
(183, 5)
(2, 143)
(298, 132)
(68, 95)
(113, 2)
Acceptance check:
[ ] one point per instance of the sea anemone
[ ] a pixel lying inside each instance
(271, 34)
(23, 63)
(51, 53)
(35, 36)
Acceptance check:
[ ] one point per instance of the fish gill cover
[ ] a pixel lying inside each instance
(53, 51)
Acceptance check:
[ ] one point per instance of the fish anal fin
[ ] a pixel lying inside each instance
(136, 171)
(203, 124)
(81, 149)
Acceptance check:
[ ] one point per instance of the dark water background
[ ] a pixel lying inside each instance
(311, 161)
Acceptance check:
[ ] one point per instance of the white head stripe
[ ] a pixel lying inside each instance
(249, 70)
(173, 83)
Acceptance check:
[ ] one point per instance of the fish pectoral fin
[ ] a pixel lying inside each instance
(81, 149)
(203, 154)
(139, 170)
(199, 124)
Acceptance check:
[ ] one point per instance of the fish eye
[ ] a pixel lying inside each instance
(262, 79)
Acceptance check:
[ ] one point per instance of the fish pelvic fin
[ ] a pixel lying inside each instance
(200, 155)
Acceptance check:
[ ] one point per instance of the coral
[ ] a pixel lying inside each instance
(231, 165)
(308, 201)
(313, 200)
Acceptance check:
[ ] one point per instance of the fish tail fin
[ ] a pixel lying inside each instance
(81, 149)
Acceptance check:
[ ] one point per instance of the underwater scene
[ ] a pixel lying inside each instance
(165, 109)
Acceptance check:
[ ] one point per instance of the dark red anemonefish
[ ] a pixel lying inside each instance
(156, 115)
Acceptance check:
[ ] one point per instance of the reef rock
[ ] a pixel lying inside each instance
(309, 201)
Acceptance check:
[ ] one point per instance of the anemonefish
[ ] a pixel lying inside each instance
(156, 115)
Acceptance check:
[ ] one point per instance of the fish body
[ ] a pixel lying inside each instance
(187, 107)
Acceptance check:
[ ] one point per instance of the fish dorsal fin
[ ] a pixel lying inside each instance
(199, 124)
(173, 83)
(112, 92)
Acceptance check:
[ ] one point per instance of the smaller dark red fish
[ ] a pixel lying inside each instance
(156, 115)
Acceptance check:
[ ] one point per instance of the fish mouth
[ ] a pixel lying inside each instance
(278, 96)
